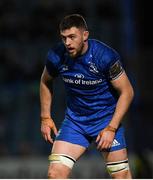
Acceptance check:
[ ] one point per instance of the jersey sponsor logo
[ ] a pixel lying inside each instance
(115, 143)
(80, 81)
(92, 67)
(81, 76)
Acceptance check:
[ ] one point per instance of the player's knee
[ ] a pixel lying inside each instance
(53, 173)
(56, 172)
(121, 175)
(60, 166)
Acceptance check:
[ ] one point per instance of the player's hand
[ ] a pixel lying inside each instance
(105, 138)
(47, 125)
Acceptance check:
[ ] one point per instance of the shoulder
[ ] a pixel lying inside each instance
(102, 47)
(96, 44)
(110, 54)
(54, 59)
(103, 54)
(56, 53)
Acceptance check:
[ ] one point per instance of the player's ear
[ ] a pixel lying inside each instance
(85, 35)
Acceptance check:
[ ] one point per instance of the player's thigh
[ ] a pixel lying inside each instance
(63, 156)
(70, 149)
(113, 156)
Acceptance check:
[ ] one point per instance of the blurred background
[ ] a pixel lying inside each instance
(27, 30)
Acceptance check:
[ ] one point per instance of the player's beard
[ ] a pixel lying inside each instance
(77, 52)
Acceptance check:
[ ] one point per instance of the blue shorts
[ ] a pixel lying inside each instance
(84, 134)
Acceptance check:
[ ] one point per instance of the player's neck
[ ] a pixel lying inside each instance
(85, 48)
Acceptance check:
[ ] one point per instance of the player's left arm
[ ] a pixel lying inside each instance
(121, 83)
(126, 94)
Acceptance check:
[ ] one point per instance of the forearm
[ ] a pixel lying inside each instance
(46, 95)
(47, 124)
(122, 106)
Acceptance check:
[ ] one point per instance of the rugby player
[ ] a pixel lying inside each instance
(99, 94)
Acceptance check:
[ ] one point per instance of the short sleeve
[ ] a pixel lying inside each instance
(112, 64)
(52, 63)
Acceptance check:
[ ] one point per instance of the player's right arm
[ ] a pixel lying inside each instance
(46, 96)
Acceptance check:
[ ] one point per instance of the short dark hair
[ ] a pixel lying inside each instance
(73, 20)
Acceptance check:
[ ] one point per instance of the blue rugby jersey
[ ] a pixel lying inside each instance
(90, 96)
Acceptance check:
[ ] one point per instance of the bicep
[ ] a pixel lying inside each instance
(45, 77)
(122, 83)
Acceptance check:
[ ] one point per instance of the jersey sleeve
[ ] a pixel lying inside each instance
(112, 64)
(52, 63)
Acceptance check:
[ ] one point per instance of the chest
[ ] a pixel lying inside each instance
(83, 74)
